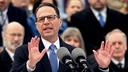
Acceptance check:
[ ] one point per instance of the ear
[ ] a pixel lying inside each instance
(61, 22)
(126, 47)
(36, 26)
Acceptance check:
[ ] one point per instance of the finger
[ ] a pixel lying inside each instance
(32, 41)
(96, 55)
(111, 51)
(106, 45)
(110, 46)
(43, 52)
(29, 46)
(36, 37)
(37, 42)
(102, 45)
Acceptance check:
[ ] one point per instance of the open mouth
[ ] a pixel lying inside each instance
(48, 29)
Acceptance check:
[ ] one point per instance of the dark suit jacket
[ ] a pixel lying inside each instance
(90, 28)
(21, 57)
(5, 61)
(114, 68)
(19, 15)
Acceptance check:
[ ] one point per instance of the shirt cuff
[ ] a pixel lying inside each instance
(28, 68)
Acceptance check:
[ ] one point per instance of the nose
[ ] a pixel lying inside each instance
(16, 38)
(46, 21)
(72, 43)
(117, 46)
(76, 9)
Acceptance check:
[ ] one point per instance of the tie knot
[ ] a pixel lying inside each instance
(52, 47)
(119, 65)
(1, 13)
(100, 15)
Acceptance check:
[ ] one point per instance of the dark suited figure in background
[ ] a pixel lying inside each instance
(36, 56)
(95, 21)
(11, 13)
(118, 40)
(13, 35)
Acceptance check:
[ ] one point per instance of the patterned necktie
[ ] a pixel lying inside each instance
(101, 20)
(119, 65)
(53, 58)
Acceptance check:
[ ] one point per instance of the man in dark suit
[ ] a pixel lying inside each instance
(95, 21)
(118, 40)
(11, 13)
(36, 56)
(13, 35)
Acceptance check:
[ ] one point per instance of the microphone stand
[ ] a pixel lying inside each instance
(73, 69)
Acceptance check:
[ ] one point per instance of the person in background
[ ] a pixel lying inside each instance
(118, 61)
(9, 13)
(119, 5)
(13, 36)
(95, 21)
(73, 37)
(118, 41)
(23, 4)
(71, 7)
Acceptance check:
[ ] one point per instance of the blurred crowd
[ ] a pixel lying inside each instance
(85, 24)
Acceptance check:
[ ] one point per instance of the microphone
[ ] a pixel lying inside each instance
(65, 57)
(79, 56)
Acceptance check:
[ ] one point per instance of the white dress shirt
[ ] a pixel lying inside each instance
(102, 12)
(46, 45)
(11, 54)
(117, 62)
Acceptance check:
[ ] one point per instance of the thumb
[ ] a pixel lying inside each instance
(43, 52)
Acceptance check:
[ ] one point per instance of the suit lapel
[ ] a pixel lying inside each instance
(45, 63)
(7, 61)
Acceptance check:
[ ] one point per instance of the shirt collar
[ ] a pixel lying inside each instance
(11, 54)
(47, 43)
(5, 11)
(103, 13)
(116, 61)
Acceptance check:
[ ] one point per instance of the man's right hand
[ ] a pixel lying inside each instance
(34, 54)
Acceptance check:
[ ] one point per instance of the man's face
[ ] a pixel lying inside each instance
(118, 42)
(4, 4)
(48, 22)
(21, 3)
(98, 4)
(73, 7)
(13, 37)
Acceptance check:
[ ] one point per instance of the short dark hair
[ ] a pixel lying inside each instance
(50, 5)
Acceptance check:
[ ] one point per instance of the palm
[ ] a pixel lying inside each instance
(103, 55)
(34, 54)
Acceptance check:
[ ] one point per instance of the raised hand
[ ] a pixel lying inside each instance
(104, 54)
(34, 54)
